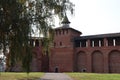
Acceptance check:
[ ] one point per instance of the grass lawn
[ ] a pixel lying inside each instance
(94, 76)
(20, 76)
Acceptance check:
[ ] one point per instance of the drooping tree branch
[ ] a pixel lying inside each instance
(17, 19)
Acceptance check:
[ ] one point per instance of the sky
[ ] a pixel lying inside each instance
(96, 16)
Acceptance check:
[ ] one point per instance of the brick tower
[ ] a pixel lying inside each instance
(62, 53)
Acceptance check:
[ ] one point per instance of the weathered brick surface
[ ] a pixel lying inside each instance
(66, 57)
(98, 59)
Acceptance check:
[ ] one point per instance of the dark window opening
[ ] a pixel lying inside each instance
(77, 43)
(117, 41)
(110, 41)
(56, 32)
(59, 32)
(83, 43)
(102, 42)
(31, 42)
(56, 69)
(83, 70)
(66, 31)
(60, 43)
(36, 42)
(80, 43)
(96, 42)
(54, 44)
(63, 31)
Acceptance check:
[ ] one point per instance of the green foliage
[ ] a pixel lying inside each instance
(94, 76)
(20, 76)
(17, 19)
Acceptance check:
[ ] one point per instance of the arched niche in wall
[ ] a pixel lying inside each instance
(114, 61)
(81, 62)
(97, 62)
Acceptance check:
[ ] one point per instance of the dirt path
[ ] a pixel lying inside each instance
(55, 76)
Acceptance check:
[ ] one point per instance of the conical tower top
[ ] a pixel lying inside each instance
(65, 20)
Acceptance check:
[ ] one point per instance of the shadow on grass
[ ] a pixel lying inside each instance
(32, 78)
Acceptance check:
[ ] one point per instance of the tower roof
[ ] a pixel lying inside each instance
(65, 20)
(58, 28)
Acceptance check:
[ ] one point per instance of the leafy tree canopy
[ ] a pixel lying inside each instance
(17, 17)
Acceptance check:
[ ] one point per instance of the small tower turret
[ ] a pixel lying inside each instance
(63, 50)
(65, 21)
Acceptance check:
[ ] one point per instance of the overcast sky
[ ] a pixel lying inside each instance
(96, 16)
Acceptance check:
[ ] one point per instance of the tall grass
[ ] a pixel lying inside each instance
(20, 76)
(94, 76)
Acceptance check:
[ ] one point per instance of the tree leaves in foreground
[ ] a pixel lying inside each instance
(17, 21)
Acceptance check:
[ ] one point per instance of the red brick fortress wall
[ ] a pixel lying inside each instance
(99, 55)
(62, 53)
